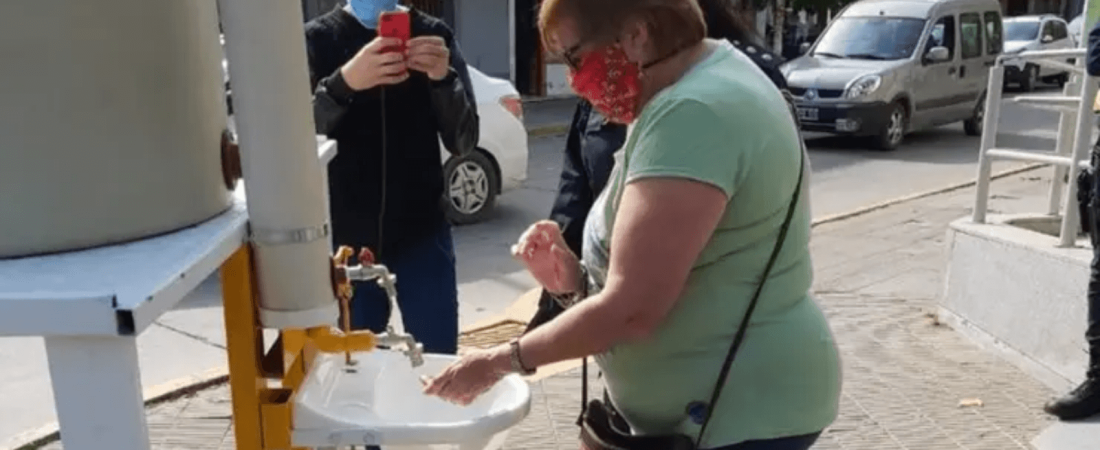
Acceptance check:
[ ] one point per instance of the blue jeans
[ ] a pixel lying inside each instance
(803, 442)
(427, 293)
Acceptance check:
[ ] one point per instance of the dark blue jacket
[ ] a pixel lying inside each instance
(1092, 61)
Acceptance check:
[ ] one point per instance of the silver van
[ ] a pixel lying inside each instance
(883, 68)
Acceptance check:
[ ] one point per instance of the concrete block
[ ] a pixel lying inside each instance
(1010, 288)
(1083, 435)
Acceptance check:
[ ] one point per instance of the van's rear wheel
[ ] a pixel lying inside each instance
(973, 125)
(1031, 78)
(892, 132)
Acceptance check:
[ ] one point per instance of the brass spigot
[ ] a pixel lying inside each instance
(343, 290)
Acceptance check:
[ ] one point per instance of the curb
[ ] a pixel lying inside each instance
(172, 390)
(548, 130)
(919, 195)
(188, 385)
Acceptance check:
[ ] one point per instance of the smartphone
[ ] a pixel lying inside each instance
(394, 24)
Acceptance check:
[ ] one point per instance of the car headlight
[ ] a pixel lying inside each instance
(862, 86)
(1017, 51)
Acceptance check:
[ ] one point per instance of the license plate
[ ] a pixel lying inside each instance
(809, 114)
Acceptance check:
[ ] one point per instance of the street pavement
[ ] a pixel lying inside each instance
(189, 341)
(910, 382)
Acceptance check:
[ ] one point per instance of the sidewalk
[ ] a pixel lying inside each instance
(877, 277)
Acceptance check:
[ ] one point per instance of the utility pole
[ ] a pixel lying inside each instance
(779, 20)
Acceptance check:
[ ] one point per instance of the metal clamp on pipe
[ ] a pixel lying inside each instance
(283, 237)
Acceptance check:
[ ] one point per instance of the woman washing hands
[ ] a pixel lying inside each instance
(705, 214)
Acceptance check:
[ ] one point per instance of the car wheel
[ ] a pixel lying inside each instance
(471, 188)
(1031, 78)
(893, 130)
(973, 125)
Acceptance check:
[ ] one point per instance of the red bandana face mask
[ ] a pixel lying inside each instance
(610, 81)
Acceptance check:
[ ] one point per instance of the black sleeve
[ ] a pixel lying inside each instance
(575, 195)
(1093, 61)
(455, 106)
(331, 95)
(570, 209)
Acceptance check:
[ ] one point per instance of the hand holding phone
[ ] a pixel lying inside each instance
(429, 54)
(374, 66)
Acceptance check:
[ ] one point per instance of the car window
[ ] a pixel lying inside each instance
(994, 36)
(1021, 30)
(1048, 29)
(1059, 30)
(970, 29)
(943, 35)
(874, 38)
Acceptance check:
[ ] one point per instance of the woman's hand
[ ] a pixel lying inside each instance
(469, 377)
(543, 250)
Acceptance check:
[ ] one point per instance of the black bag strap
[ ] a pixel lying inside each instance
(740, 336)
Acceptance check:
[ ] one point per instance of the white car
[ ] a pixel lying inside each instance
(474, 181)
(1028, 33)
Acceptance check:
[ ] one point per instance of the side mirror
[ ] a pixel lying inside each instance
(937, 54)
(805, 47)
(1048, 39)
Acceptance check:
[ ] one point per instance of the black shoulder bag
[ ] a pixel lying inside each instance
(601, 426)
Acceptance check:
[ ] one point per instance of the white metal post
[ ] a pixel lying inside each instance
(989, 139)
(1067, 124)
(1081, 147)
(97, 391)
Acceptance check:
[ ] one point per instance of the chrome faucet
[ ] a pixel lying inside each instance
(412, 349)
(388, 282)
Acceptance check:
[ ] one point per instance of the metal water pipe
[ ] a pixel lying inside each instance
(287, 205)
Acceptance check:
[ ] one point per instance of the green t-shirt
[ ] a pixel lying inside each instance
(725, 124)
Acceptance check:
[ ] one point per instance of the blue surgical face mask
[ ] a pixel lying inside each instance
(367, 11)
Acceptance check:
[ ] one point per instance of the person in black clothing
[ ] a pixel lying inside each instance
(387, 110)
(593, 140)
(1084, 401)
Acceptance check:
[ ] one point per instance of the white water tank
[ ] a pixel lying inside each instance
(111, 117)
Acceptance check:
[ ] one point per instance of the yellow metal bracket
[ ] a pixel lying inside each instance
(262, 397)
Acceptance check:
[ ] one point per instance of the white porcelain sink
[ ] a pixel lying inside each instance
(380, 403)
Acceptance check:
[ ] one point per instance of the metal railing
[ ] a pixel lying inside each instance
(1074, 134)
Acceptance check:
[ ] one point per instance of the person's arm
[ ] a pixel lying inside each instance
(657, 235)
(656, 239)
(331, 94)
(1093, 58)
(454, 103)
(331, 98)
(571, 206)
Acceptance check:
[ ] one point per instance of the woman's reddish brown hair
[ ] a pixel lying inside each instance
(673, 24)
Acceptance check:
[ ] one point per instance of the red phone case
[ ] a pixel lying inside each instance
(394, 24)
